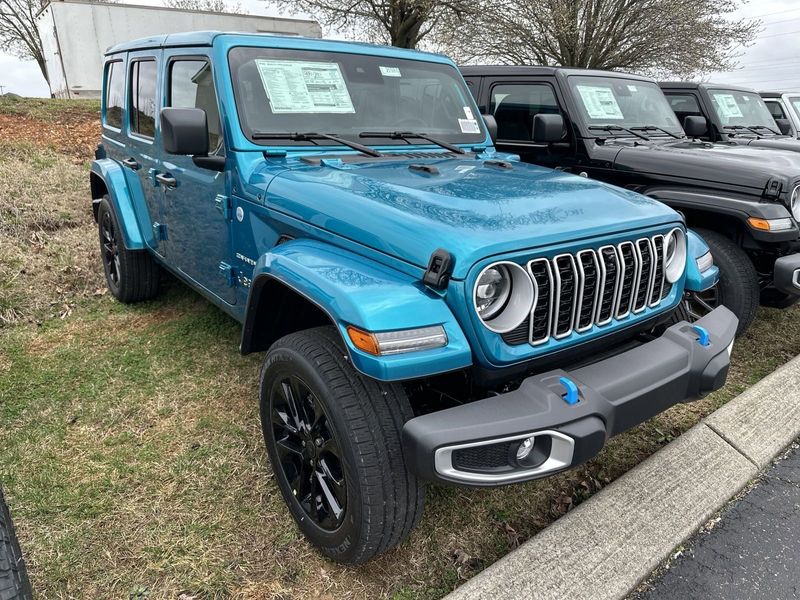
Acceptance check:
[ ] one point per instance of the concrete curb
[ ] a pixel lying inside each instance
(607, 545)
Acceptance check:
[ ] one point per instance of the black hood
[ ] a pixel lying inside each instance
(729, 165)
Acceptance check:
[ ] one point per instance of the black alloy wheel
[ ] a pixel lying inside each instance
(309, 455)
(110, 249)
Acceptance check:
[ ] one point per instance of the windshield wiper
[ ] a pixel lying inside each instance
(406, 135)
(656, 128)
(765, 127)
(310, 137)
(611, 128)
(743, 127)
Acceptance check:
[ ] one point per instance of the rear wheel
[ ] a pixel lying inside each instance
(131, 275)
(334, 440)
(738, 287)
(14, 583)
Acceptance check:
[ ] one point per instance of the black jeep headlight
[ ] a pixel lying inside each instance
(794, 203)
(674, 255)
(503, 296)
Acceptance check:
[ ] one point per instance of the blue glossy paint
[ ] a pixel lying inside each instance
(356, 291)
(363, 232)
(695, 280)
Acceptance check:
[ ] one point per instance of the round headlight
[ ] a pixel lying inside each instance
(674, 255)
(795, 203)
(503, 296)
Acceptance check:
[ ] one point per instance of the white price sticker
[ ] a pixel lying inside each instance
(600, 102)
(304, 87)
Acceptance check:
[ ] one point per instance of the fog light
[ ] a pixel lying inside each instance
(525, 448)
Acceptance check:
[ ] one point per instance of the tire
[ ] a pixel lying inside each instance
(352, 434)
(738, 287)
(131, 275)
(14, 583)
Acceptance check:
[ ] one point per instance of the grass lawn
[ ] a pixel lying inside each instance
(131, 452)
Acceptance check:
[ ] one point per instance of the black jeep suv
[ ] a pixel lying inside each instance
(619, 128)
(725, 113)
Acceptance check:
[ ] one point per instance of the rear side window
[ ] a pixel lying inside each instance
(191, 85)
(115, 94)
(514, 107)
(143, 98)
(775, 109)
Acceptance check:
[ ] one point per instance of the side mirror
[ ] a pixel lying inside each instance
(784, 126)
(491, 125)
(695, 126)
(184, 131)
(548, 128)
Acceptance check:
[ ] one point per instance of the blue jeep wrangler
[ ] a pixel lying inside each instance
(431, 310)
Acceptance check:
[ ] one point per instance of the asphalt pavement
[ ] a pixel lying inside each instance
(751, 552)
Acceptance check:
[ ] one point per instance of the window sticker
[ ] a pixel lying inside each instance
(295, 86)
(599, 102)
(633, 88)
(469, 126)
(390, 71)
(727, 106)
(468, 112)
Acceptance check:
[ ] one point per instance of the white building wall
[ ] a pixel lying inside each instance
(75, 35)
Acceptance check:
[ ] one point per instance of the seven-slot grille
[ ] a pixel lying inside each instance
(575, 292)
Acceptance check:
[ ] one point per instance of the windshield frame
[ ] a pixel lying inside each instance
(795, 108)
(759, 130)
(584, 125)
(301, 54)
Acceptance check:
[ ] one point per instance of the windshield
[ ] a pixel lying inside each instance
(297, 91)
(628, 103)
(741, 109)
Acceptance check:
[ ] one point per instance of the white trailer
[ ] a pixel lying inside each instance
(76, 33)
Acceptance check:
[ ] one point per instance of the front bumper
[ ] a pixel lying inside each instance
(476, 444)
(787, 274)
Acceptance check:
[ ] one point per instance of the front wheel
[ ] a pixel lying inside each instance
(738, 287)
(334, 440)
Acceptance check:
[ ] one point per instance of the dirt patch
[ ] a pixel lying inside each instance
(74, 134)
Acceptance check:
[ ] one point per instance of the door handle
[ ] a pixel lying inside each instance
(131, 164)
(166, 180)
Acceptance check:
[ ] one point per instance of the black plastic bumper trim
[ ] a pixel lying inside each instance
(787, 274)
(615, 394)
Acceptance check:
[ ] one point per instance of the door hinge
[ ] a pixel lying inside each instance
(223, 204)
(229, 273)
(160, 231)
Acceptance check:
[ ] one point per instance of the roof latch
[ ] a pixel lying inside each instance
(440, 266)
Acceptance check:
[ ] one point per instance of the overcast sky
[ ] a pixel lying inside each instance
(773, 61)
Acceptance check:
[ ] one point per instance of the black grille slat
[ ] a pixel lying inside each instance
(518, 336)
(659, 284)
(540, 322)
(628, 278)
(591, 281)
(567, 278)
(611, 263)
(646, 272)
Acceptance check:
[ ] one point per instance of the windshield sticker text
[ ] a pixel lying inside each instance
(727, 106)
(600, 102)
(304, 87)
(390, 71)
(469, 126)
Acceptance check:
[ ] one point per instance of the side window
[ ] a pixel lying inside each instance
(143, 98)
(775, 108)
(684, 105)
(192, 86)
(115, 94)
(515, 105)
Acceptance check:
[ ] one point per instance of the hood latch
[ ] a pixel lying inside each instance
(440, 266)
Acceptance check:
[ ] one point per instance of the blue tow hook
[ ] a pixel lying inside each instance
(571, 397)
(704, 339)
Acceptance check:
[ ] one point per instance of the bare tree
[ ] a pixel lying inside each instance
(403, 23)
(207, 5)
(18, 33)
(658, 37)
